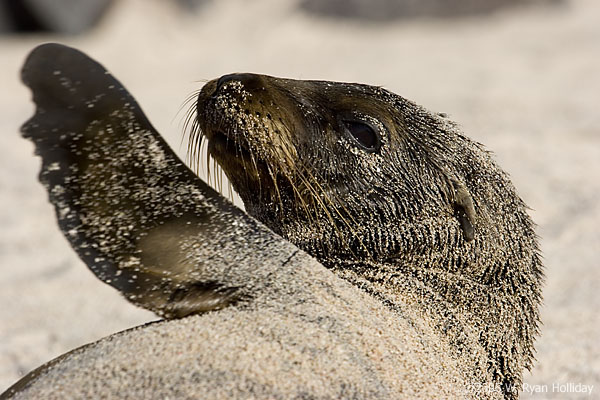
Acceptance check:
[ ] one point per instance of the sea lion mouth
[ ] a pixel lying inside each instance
(234, 155)
(220, 143)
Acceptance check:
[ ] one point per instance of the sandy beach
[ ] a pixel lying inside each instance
(524, 81)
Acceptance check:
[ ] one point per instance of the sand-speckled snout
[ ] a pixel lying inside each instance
(250, 142)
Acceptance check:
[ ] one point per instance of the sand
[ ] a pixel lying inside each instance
(523, 81)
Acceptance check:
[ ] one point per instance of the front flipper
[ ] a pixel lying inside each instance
(135, 214)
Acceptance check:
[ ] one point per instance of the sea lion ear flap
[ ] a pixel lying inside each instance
(464, 210)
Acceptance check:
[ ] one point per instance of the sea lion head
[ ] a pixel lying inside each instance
(337, 168)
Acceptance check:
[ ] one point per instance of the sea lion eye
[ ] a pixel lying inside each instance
(363, 134)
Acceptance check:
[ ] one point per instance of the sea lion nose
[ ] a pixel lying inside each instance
(247, 80)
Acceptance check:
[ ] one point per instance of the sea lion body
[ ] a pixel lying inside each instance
(438, 257)
(390, 196)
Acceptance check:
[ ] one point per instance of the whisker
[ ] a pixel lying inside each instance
(299, 198)
(191, 126)
(208, 158)
(230, 191)
(276, 186)
(202, 151)
(335, 206)
(191, 97)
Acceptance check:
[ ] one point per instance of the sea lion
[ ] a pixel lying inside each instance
(423, 262)
(287, 327)
(391, 197)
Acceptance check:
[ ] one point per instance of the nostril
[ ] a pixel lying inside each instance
(251, 82)
(226, 78)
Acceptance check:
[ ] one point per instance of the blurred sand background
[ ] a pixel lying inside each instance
(525, 81)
